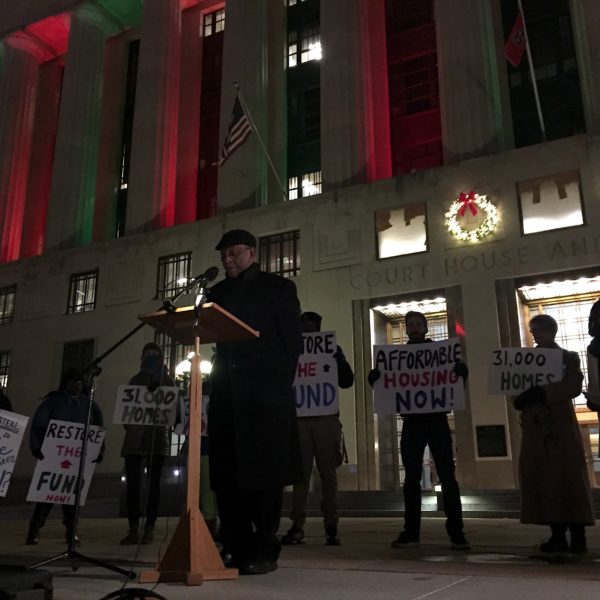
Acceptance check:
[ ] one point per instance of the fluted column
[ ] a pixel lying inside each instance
(72, 198)
(253, 56)
(151, 194)
(473, 120)
(18, 87)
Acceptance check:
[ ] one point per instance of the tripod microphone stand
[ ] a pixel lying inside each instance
(93, 370)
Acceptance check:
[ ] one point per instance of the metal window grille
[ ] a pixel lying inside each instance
(310, 45)
(7, 303)
(4, 368)
(77, 354)
(173, 274)
(82, 292)
(280, 253)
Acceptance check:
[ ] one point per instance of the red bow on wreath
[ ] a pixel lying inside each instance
(467, 201)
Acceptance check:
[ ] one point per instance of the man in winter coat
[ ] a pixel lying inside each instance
(420, 430)
(145, 445)
(253, 432)
(321, 442)
(68, 403)
(555, 487)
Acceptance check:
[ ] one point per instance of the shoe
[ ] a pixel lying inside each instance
(148, 535)
(258, 567)
(459, 542)
(331, 537)
(578, 546)
(68, 539)
(405, 540)
(132, 538)
(555, 544)
(293, 537)
(33, 536)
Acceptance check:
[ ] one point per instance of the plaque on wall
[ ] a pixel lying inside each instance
(491, 441)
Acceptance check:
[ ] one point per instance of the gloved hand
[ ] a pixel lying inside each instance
(38, 454)
(152, 387)
(461, 369)
(99, 458)
(534, 395)
(373, 376)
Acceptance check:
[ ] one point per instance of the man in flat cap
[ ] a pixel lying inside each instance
(253, 435)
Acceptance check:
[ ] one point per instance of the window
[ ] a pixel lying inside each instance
(82, 292)
(551, 202)
(294, 2)
(77, 354)
(280, 253)
(310, 46)
(401, 231)
(7, 303)
(4, 368)
(214, 22)
(311, 185)
(173, 274)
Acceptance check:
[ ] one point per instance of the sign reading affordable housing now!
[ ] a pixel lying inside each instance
(418, 378)
(137, 405)
(12, 428)
(316, 383)
(514, 370)
(55, 477)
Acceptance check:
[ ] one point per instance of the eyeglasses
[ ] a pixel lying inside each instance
(234, 254)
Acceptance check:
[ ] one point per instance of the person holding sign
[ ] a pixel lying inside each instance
(147, 444)
(593, 359)
(322, 442)
(420, 430)
(69, 403)
(253, 431)
(555, 488)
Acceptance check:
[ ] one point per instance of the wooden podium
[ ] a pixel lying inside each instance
(192, 556)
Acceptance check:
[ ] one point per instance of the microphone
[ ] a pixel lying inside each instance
(208, 275)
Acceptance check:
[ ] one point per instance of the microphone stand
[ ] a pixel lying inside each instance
(93, 370)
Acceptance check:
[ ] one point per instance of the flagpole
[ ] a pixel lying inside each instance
(255, 128)
(532, 74)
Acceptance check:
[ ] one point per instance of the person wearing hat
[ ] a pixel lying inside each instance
(322, 442)
(147, 445)
(253, 435)
(69, 403)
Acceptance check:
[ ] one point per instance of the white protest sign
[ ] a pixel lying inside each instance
(316, 383)
(12, 428)
(183, 425)
(514, 370)
(55, 477)
(137, 405)
(418, 378)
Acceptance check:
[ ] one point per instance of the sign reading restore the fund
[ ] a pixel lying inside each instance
(316, 383)
(418, 378)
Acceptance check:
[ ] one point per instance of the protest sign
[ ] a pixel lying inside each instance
(55, 477)
(137, 405)
(418, 378)
(12, 427)
(183, 425)
(514, 370)
(316, 383)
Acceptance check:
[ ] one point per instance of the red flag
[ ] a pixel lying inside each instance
(515, 44)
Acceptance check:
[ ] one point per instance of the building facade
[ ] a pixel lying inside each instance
(371, 118)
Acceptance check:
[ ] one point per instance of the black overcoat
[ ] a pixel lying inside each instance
(253, 431)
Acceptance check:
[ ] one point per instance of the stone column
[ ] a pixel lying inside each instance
(151, 194)
(253, 55)
(474, 121)
(18, 88)
(73, 193)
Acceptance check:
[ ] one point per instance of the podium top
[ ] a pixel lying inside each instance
(215, 324)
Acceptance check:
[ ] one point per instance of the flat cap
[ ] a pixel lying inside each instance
(235, 237)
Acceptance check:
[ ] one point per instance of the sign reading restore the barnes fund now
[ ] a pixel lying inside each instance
(316, 383)
(418, 378)
(514, 370)
(55, 477)
(137, 405)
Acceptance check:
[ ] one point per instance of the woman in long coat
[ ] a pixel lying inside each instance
(555, 488)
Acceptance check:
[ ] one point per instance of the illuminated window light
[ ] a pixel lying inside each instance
(176, 472)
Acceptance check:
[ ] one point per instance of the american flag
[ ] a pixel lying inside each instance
(239, 129)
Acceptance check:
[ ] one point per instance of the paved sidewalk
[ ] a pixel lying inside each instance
(499, 566)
